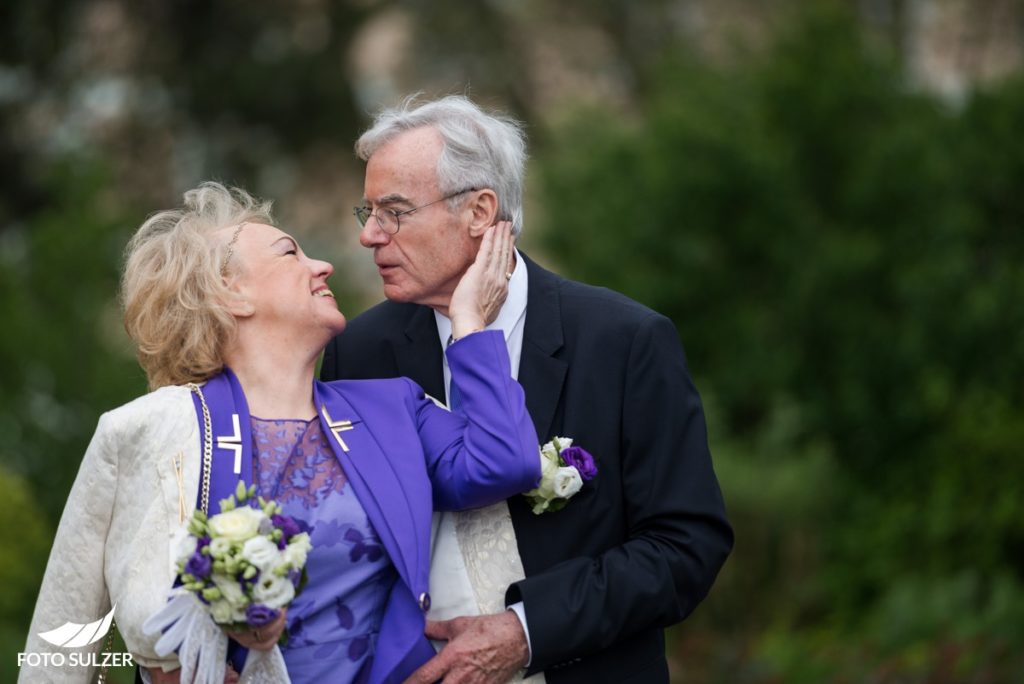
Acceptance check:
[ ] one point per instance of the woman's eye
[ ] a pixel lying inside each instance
(291, 251)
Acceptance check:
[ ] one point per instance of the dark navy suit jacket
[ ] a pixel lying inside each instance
(640, 545)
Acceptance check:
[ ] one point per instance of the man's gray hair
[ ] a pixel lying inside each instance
(481, 149)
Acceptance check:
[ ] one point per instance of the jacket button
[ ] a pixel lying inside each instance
(424, 602)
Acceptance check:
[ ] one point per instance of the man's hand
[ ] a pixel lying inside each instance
(488, 649)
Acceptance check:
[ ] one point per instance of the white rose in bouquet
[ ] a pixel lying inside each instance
(298, 548)
(261, 552)
(236, 525)
(220, 547)
(221, 611)
(230, 590)
(273, 590)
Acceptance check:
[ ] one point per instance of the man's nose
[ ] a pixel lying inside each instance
(372, 235)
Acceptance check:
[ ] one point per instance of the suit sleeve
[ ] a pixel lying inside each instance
(74, 588)
(678, 536)
(487, 450)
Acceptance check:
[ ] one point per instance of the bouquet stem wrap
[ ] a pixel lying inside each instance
(202, 645)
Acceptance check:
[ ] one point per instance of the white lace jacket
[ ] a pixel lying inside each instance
(113, 545)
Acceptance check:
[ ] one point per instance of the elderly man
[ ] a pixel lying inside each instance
(589, 588)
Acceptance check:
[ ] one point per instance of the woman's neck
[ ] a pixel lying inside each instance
(278, 383)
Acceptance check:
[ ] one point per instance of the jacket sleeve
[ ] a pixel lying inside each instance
(486, 450)
(73, 588)
(677, 536)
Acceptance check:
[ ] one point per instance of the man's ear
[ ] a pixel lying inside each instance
(484, 210)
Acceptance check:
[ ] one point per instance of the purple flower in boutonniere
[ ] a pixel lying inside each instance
(580, 459)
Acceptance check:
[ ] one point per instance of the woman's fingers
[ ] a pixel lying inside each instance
(262, 638)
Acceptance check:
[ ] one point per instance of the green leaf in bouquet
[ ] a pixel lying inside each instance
(197, 528)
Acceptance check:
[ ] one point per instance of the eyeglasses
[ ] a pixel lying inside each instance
(388, 219)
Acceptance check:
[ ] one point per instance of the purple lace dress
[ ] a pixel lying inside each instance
(333, 624)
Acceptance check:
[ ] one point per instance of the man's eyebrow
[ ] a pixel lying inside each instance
(393, 198)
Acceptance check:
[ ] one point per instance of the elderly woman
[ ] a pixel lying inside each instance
(230, 316)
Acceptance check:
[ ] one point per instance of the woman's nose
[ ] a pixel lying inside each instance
(321, 268)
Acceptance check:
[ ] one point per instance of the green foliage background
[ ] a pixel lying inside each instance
(842, 258)
(840, 251)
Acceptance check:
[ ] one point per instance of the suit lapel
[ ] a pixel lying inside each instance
(541, 374)
(418, 354)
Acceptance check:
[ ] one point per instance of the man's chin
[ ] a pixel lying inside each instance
(396, 293)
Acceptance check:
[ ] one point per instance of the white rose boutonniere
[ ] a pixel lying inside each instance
(564, 468)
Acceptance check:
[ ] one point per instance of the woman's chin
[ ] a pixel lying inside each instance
(339, 325)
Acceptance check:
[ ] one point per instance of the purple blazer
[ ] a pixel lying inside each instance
(404, 457)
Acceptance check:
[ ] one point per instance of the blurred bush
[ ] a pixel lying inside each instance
(26, 536)
(841, 255)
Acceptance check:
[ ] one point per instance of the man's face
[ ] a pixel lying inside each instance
(424, 260)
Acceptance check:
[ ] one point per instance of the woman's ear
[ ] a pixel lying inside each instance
(484, 210)
(236, 301)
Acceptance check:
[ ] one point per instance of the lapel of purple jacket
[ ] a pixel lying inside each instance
(389, 504)
(231, 459)
(356, 417)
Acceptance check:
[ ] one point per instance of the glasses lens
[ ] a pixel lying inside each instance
(388, 221)
(362, 214)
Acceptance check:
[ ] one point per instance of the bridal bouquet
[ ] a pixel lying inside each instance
(564, 467)
(237, 570)
(244, 563)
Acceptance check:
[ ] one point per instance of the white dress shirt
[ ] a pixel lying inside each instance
(452, 592)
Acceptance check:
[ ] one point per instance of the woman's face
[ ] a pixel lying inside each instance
(284, 289)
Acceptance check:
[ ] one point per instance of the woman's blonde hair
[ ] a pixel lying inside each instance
(173, 291)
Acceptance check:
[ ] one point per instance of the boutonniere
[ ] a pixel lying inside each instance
(563, 467)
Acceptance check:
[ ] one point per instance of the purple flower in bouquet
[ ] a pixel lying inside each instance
(289, 528)
(258, 615)
(580, 459)
(199, 565)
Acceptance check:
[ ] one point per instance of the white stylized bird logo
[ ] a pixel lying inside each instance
(74, 635)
